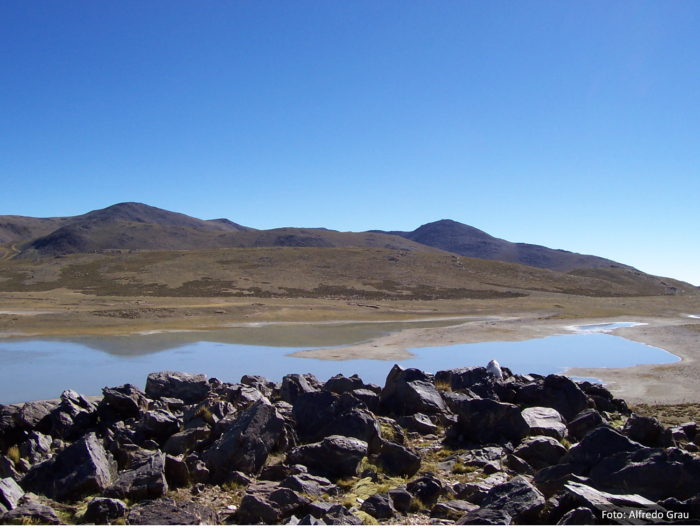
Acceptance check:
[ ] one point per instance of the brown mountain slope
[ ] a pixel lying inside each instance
(465, 240)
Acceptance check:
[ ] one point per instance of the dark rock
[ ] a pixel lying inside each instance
(644, 430)
(143, 480)
(32, 510)
(540, 451)
(166, 511)
(477, 379)
(159, 425)
(37, 415)
(653, 473)
(189, 388)
(262, 384)
(267, 503)
(599, 502)
(247, 442)
(127, 400)
(339, 515)
(72, 416)
(103, 511)
(485, 516)
(409, 391)
(418, 423)
(182, 442)
(486, 421)
(480, 457)
(11, 433)
(340, 384)
(556, 391)
(476, 491)
(176, 472)
(452, 510)
(579, 516)
(556, 507)
(82, 469)
(518, 498)
(584, 422)
(391, 431)
(598, 444)
(245, 397)
(311, 520)
(10, 493)
(545, 421)
(399, 460)
(295, 385)
(280, 471)
(36, 448)
(369, 398)
(401, 498)
(311, 486)
(335, 456)
(519, 466)
(551, 480)
(8, 470)
(380, 506)
(427, 489)
(173, 405)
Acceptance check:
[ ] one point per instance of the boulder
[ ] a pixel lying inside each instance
(477, 379)
(645, 430)
(540, 451)
(11, 433)
(36, 448)
(72, 416)
(37, 415)
(399, 460)
(545, 421)
(480, 457)
(551, 480)
(487, 421)
(267, 503)
(189, 388)
(177, 474)
(401, 498)
(31, 510)
(335, 456)
(280, 471)
(10, 493)
(246, 443)
(518, 498)
(82, 469)
(485, 516)
(311, 486)
(143, 480)
(409, 391)
(340, 384)
(418, 423)
(262, 384)
(379, 506)
(295, 385)
(579, 516)
(427, 489)
(340, 515)
(159, 425)
(476, 491)
(127, 400)
(8, 470)
(167, 511)
(600, 502)
(368, 397)
(585, 421)
(598, 444)
(452, 509)
(182, 442)
(555, 391)
(103, 511)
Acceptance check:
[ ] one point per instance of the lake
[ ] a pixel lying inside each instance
(34, 369)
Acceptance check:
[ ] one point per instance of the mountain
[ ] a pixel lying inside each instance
(455, 237)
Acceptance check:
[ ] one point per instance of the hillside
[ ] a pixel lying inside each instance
(461, 239)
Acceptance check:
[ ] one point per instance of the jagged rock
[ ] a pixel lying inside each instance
(556, 391)
(477, 379)
(545, 421)
(81, 469)
(246, 443)
(295, 385)
(182, 442)
(519, 466)
(103, 511)
(127, 400)
(486, 421)
(335, 456)
(281, 471)
(401, 498)
(409, 391)
(551, 480)
(584, 422)
(518, 498)
(262, 384)
(267, 503)
(72, 416)
(485, 516)
(452, 509)
(32, 511)
(368, 397)
(173, 405)
(36, 448)
(399, 460)
(37, 415)
(176, 472)
(8, 470)
(540, 451)
(476, 491)
(340, 384)
(380, 506)
(600, 502)
(11, 433)
(312, 486)
(653, 473)
(143, 480)
(427, 489)
(480, 457)
(598, 444)
(579, 516)
(166, 511)
(189, 388)
(556, 507)
(418, 423)
(340, 515)
(159, 425)
(645, 430)
(391, 431)
(10, 493)
(199, 473)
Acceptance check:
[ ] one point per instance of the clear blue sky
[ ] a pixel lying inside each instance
(570, 124)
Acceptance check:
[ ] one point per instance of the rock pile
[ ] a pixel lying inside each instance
(461, 446)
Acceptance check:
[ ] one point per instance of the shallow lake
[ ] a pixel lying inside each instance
(33, 369)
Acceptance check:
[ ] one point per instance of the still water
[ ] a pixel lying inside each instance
(33, 369)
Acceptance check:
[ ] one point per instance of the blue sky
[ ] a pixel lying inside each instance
(574, 125)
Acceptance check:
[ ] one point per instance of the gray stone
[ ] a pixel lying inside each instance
(166, 511)
(177, 473)
(295, 385)
(476, 491)
(409, 391)
(645, 430)
(426, 488)
(555, 391)
(545, 421)
(341, 384)
(584, 422)
(311, 486)
(401, 498)
(189, 388)
(103, 511)
(476, 379)
(579, 516)
(36, 415)
(32, 511)
(598, 444)
(418, 423)
(369, 398)
(452, 509)
(127, 400)
(247, 442)
(335, 456)
(485, 516)
(182, 442)
(10, 493)
(268, 503)
(82, 469)
(8, 470)
(159, 425)
(399, 460)
(600, 502)
(518, 498)
(143, 480)
(340, 515)
(380, 506)
(485, 421)
(540, 451)
(36, 448)
(72, 416)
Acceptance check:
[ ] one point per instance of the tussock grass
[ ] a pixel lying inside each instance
(13, 454)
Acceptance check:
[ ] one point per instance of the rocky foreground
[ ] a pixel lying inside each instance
(461, 446)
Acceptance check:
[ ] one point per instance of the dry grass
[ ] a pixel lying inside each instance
(13, 454)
